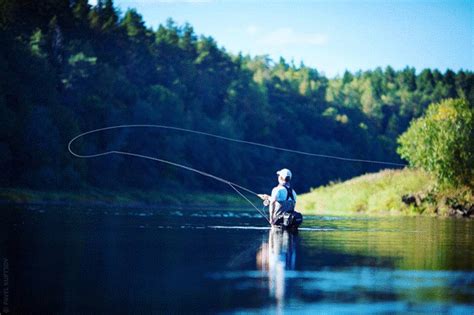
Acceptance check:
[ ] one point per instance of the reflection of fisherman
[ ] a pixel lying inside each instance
(277, 256)
(283, 198)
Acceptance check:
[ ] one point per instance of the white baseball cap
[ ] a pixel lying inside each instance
(284, 173)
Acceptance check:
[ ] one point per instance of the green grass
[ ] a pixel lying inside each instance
(377, 193)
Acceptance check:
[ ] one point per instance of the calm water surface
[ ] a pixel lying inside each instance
(81, 260)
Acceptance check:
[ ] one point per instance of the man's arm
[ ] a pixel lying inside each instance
(273, 197)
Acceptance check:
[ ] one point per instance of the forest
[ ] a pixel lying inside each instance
(67, 67)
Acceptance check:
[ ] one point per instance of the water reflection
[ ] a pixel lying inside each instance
(276, 257)
(142, 262)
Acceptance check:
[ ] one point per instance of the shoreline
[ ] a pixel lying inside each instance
(406, 192)
(120, 199)
(335, 199)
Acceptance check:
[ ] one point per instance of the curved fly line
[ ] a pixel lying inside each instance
(233, 185)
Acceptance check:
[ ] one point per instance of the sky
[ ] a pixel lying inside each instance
(331, 36)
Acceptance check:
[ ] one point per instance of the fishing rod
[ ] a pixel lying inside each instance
(233, 185)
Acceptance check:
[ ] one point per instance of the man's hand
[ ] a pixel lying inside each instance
(263, 196)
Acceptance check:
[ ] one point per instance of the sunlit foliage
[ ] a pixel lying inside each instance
(442, 142)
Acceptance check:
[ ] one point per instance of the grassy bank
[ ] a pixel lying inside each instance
(389, 192)
(404, 191)
(129, 198)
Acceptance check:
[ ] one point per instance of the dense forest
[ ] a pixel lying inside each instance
(67, 67)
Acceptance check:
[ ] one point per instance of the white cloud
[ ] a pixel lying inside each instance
(165, 1)
(151, 2)
(180, 1)
(287, 36)
(251, 30)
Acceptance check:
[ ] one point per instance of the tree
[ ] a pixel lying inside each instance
(442, 142)
(134, 25)
(67, 66)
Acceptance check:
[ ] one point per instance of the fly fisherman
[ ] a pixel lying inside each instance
(283, 198)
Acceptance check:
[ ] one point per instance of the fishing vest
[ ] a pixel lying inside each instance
(287, 205)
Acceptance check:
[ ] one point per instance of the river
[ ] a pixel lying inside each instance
(67, 260)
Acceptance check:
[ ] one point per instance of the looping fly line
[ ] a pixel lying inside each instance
(235, 186)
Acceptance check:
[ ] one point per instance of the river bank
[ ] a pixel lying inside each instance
(386, 193)
(131, 198)
(389, 192)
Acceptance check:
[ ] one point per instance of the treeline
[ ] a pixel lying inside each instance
(67, 67)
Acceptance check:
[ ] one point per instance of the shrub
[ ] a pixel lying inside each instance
(442, 142)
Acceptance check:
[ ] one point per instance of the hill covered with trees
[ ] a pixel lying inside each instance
(67, 67)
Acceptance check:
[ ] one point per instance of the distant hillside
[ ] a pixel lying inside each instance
(67, 67)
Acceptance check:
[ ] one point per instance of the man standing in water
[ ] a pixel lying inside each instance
(282, 199)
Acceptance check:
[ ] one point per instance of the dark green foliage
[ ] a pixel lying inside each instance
(67, 67)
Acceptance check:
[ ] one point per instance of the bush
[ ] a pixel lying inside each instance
(442, 142)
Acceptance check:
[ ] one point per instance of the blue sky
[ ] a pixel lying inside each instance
(331, 36)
